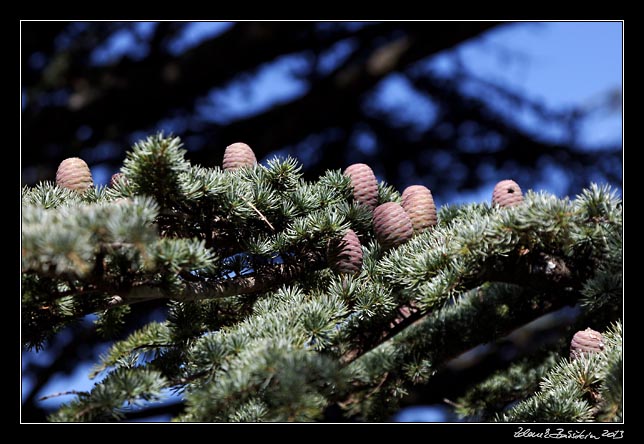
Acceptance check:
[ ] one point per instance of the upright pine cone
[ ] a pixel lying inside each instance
(345, 256)
(73, 173)
(507, 193)
(418, 203)
(392, 225)
(115, 178)
(586, 341)
(365, 184)
(238, 155)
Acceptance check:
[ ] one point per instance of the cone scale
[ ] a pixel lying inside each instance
(586, 341)
(365, 184)
(392, 225)
(345, 256)
(74, 174)
(238, 155)
(507, 193)
(418, 203)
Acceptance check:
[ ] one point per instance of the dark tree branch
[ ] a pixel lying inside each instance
(129, 91)
(266, 277)
(69, 355)
(516, 145)
(540, 272)
(459, 373)
(170, 409)
(524, 311)
(335, 101)
(64, 362)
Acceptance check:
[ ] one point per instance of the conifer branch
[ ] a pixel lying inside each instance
(541, 272)
(259, 213)
(57, 394)
(571, 391)
(208, 238)
(264, 278)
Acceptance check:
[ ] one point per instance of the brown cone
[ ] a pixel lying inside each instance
(345, 256)
(418, 203)
(238, 155)
(507, 193)
(73, 173)
(392, 225)
(586, 341)
(365, 184)
(115, 178)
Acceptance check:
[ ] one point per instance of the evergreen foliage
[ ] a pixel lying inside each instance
(261, 329)
(579, 390)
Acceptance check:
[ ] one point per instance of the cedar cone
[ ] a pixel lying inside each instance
(586, 341)
(238, 155)
(73, 173)
(507, 193)
(115, 178)
(392, 225)
(345, 256)
(418, 203)
(365, 184)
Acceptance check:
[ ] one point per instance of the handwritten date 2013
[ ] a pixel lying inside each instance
(568, 434)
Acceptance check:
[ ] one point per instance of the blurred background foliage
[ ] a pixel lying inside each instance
(455, 106)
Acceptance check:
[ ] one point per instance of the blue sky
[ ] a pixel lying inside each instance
(562, 64)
